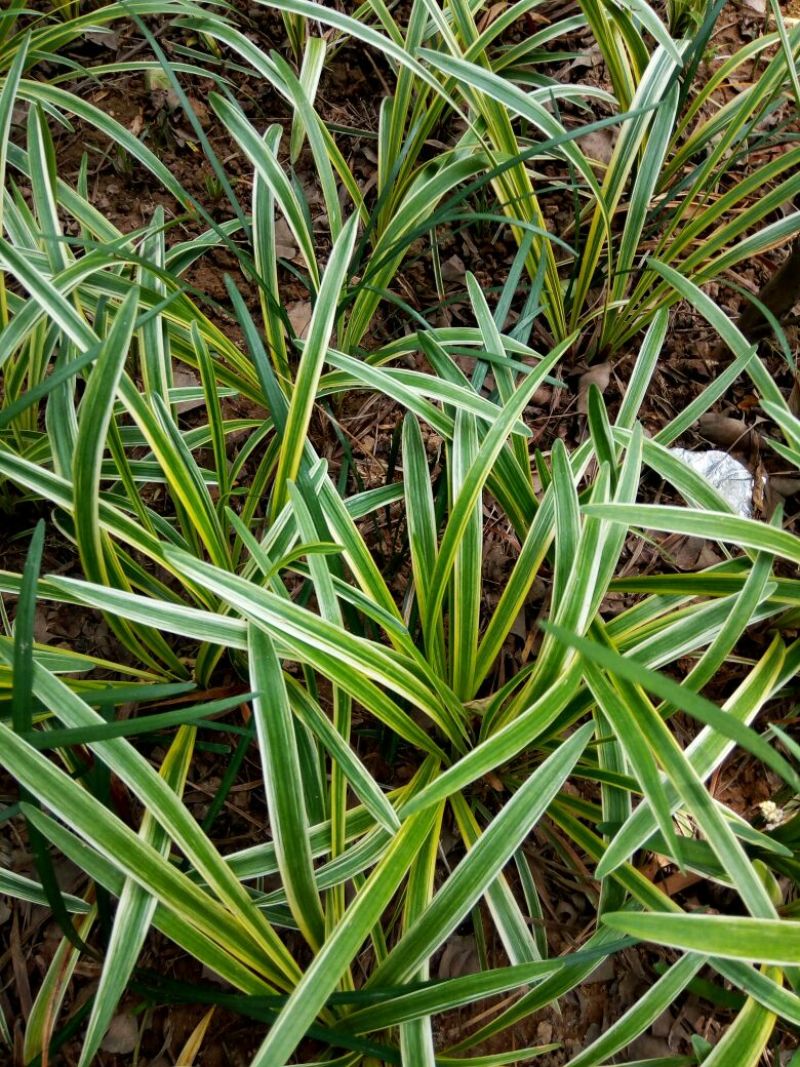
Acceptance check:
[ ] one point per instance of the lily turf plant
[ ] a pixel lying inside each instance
(227, 547)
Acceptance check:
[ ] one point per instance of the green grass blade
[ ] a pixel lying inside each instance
(135, 910)
(95, 417)
(284, 783)
(304, 392)
(21, 888)
(638, 1018)
(482, 863)
(40, 1024)
(715, 526)
(772, 941)
(322, 976)
(265, 162)
(135, 771)
(475, 480)
(422, 534)
(746, 1039)
(465, 588)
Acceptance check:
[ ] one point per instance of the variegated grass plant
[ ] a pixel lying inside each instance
(673, 185)
(327, 930)
(29, 42)
(326, 648)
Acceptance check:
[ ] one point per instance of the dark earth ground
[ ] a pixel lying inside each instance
(150, 1030)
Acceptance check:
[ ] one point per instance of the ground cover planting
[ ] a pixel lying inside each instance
(380, 681)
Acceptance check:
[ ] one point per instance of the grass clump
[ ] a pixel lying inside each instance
(241, 568)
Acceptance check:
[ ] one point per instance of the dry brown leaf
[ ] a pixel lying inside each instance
(494, 12)
(605, 971)
(460, 957)
(122, 1034)
(494, 781)
(519, 627)
(299, 313)
(199, 108)
(19, 965)
(779, 294)
(786, 485)
(207, 974)
(598, 146)
(695, 366)
(726, 431)
(109, 39)
(599, 375)
(591, 57)
(646, 1046)
(19, 113)
(285, 246)
(184, 378)
(693, 553)
(453, 269)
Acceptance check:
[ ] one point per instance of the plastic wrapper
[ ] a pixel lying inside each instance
(727, 475)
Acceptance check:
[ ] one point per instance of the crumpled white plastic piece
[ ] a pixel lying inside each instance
(727, 475)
